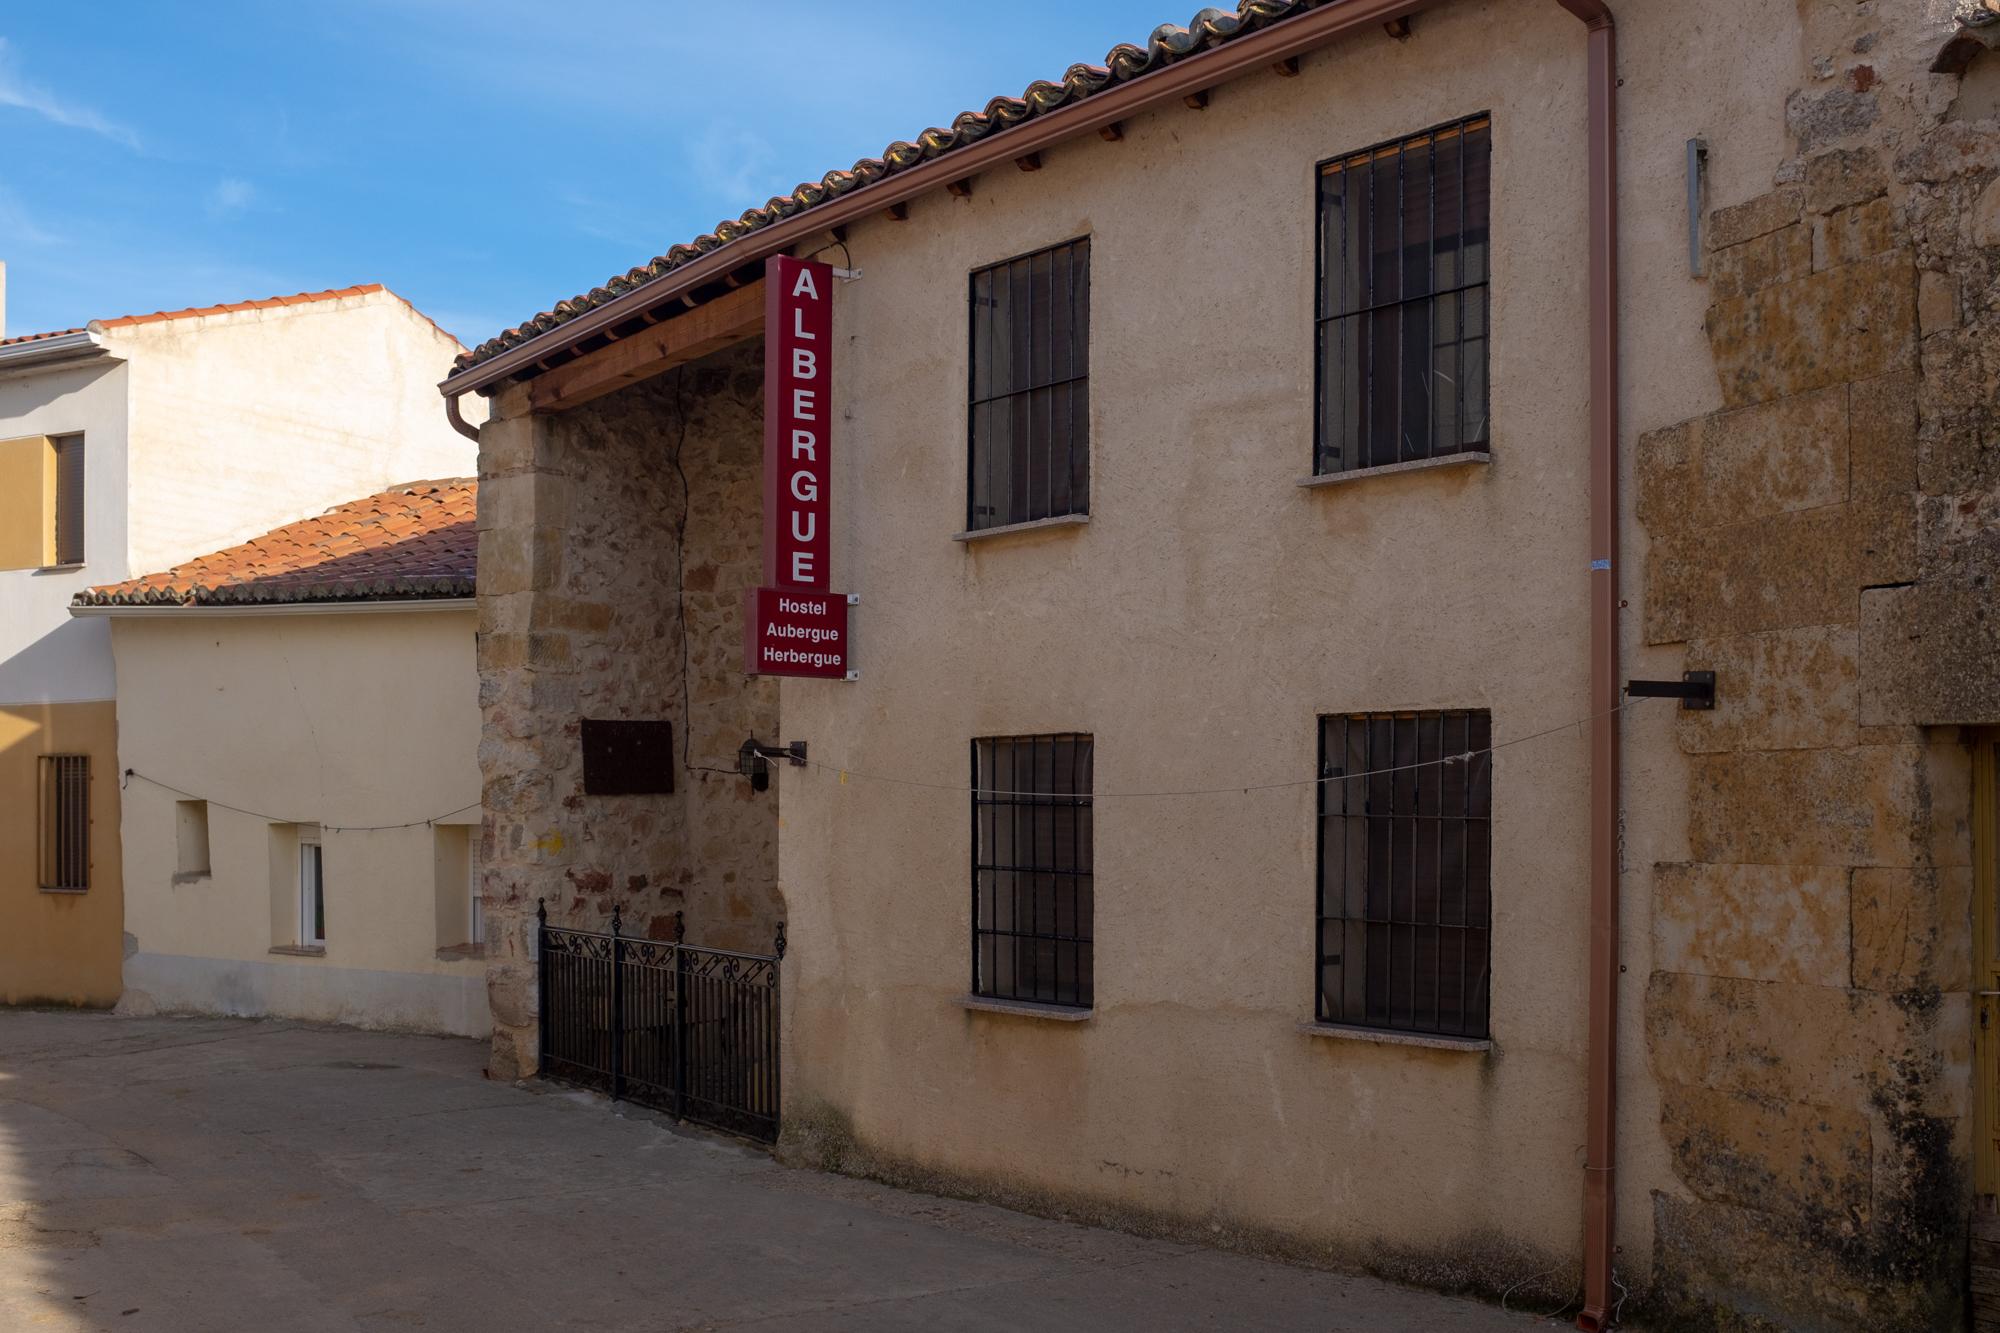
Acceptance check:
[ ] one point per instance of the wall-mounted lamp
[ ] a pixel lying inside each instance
(753, 760)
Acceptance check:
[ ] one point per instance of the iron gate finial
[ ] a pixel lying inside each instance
(614, 920)
(779, 942)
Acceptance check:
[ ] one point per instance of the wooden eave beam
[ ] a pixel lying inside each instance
(735, 315)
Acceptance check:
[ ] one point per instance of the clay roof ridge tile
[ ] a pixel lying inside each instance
(1166, 44)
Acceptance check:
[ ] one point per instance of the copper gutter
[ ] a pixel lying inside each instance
(1197, 73)
(457, 419)
(1601, 1115)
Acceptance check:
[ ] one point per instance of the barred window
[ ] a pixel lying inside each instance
(63, 825)
(1405, 871)
(1030, 403)
(1031, 855)
(1403, 300)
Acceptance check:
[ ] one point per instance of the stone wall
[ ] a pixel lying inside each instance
(583, 572)
(1827, 544)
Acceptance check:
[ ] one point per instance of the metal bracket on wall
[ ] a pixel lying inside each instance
(1695, 690)
(1697, 187)
(753, 760)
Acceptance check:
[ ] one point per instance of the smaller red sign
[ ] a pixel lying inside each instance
(791, 632)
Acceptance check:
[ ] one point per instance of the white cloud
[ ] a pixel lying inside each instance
(17, 225)
(730, 162)
(16, 91)
(230, 196)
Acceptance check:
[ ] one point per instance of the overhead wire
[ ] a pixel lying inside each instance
(845, 773)
(131, 773)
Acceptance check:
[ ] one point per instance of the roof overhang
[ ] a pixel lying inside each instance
(735, 261)
(83, 345)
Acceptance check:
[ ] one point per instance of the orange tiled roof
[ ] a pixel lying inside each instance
(192, 312)
(413, 541)
(302, 298)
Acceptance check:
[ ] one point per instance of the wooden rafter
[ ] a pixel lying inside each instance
(735, 315)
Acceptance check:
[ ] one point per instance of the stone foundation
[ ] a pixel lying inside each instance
(584, 574)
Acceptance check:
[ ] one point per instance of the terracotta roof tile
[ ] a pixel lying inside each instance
(195, 312)
(191, 312)
(409, 542)
(1122, 64)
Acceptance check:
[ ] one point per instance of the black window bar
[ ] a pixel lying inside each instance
(64, 824)
(1031, 878)
(1029, 416)
(1403, 312)
(1405, 872)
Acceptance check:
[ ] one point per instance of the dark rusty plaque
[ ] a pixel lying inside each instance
(627, 758)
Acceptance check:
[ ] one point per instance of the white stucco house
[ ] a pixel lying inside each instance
(298, 734)
(130, 444)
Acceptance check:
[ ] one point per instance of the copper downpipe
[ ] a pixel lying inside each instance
(1601, 1124)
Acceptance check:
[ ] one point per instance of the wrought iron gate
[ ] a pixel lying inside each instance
(690, 1031)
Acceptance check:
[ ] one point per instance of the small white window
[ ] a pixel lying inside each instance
(461, 920)
(312, 891)
(190, 840)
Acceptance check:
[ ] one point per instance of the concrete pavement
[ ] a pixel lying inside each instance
(220, 1174)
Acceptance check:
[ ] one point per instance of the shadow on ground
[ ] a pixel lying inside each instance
(208, 1174)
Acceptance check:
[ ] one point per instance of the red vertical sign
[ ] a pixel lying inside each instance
(798, 420)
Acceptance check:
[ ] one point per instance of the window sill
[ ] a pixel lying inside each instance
(453, 953)
(1387, 1037)
(1387, 469)
(190, 876)
(300, 950)
(1032, 525)
(50, 888)
(71, 568)
(1054, 1013)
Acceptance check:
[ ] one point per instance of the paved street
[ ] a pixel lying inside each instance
(195, 1174)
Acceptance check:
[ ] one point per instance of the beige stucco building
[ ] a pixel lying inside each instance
(298, 731)
(129, 445)
(1261, 462)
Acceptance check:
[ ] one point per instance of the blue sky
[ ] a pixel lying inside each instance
(484, 158)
